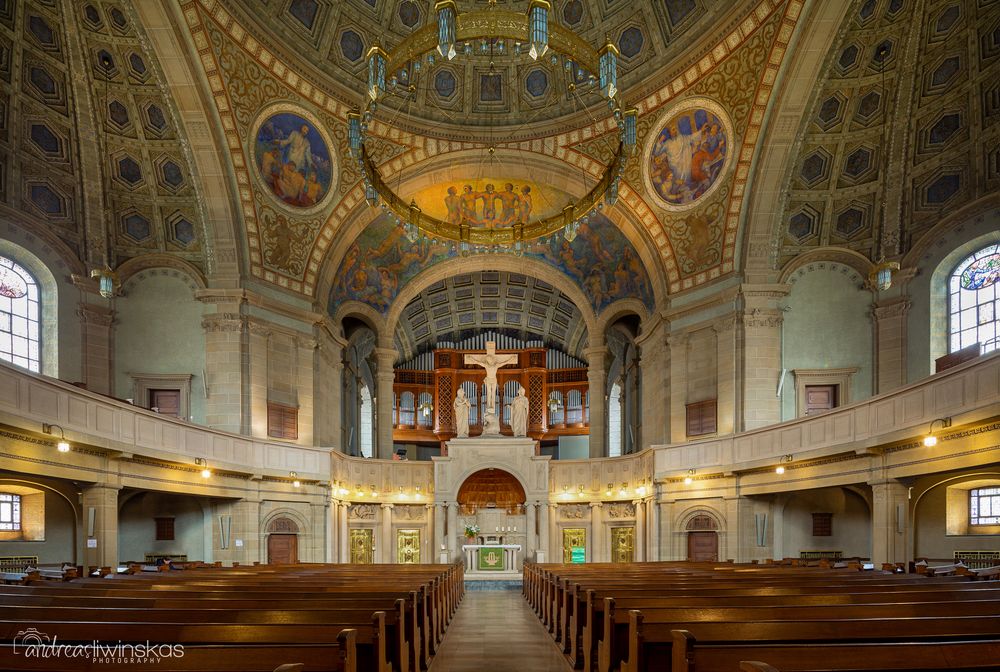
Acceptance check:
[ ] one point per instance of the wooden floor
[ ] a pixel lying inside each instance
(497, 631)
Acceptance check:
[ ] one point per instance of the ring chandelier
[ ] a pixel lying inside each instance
(458, 33)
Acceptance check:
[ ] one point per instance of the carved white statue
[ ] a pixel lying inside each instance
(462, 407)
(491, 361)
(519, 413)
(491, 424)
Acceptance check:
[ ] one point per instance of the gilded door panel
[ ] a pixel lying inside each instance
(362, 547)
(408, 547)
(622, 544)
(574, 538)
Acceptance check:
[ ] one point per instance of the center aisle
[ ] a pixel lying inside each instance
(497, 631)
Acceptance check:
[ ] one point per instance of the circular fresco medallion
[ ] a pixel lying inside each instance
(689, 153)
(292, 159)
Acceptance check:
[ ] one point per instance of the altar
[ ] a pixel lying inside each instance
(491, 557)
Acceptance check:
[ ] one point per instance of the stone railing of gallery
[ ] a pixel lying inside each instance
(27, 400)
(968, 393)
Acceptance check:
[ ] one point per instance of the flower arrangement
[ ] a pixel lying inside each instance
(472, 530)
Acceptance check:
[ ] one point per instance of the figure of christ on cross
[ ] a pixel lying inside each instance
(491, 361)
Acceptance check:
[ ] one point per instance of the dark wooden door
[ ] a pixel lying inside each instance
(282, 549)
(703, 546)
(166, 402)
(820, 398)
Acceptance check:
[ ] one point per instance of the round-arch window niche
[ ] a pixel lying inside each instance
(491, 489)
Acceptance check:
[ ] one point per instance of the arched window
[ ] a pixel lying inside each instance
(20, 335)
(615, 421)
(974, 302)
(366, 424)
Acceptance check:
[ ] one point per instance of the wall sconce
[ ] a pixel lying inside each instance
(402, 494)
(780, 469)
(341, 490)
(623, 490)
(689, 479)
(374, 491)
(62, 445)
(579, 491)
(205, 471)
(930, 440)
(358, 491)
(419, 494)
(296, 483)
(641, 490)
(565, 492)
(607, 493)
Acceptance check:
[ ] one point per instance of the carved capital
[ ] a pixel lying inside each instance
(895, 308)
(222, 322)
(678, 340)
(96, 315)
(724, 324)
(762, 318)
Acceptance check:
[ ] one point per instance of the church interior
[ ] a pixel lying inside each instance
(651, 335)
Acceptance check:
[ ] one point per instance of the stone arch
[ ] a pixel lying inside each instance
(484, 479)
(521, 479)
(132, 270)
(617, 310)
(289, 514)
(833, 255)
(48, 302)
(499, 262)
(683, 524)
(364, 313)
(685, 517)
(70, 498)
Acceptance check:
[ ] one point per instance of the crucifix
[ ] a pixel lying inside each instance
(491, 361)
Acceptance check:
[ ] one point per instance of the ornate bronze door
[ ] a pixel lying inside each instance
(622, 544)
(362, 547)
(574, 544)
(408, 547)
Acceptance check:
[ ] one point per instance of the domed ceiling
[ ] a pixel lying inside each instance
(485, 90)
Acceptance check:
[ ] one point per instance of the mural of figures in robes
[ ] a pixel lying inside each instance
(688, 155)
(293, 159)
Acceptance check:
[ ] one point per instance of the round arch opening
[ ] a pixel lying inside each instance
(491, 489)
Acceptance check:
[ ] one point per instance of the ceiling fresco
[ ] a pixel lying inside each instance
(381, 261)
(730, 77)
(834, 195)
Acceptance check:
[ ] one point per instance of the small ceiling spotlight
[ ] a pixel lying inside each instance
(780, 469)
(296, 483)
(205, 471)
(688, 480)
(930, 440)
(62, 445)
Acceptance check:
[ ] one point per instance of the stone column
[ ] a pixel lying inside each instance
(102, 499)
(677, 345)
(598, 552)
(328, 385)
(653, 551)
(555, 541)
(640, 530)
(452, 531)
(344, 531)
(321, 547)
(226, 361)
(438, 531)
(388, 555)
(543, 554)
(333, 532)
(890, 521)
(761, 355)
(596, 380)
(890, 343)
(529, 531)
(725, 339)
(385, 376)
(96, 321)
(655, 385)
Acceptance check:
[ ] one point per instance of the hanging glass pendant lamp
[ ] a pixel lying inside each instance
(447, 11)
(538, 28)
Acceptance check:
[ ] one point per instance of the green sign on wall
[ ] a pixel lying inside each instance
(578, 554)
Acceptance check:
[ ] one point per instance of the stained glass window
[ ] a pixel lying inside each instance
(973, 297)
(10, 511)
(984, 506)
(20, 340)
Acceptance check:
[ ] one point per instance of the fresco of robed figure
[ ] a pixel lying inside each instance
(688, 156)
(293, 159)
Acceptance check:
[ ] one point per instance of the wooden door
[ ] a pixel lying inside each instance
(820, 398)
(165, 402)
(408, 547)
(703, 546)
(282, 549)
